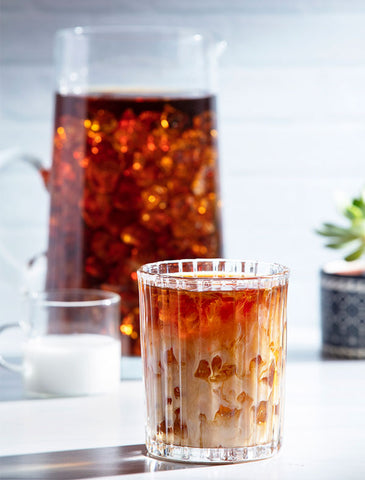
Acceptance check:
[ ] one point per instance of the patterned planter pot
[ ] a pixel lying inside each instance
(343, 309)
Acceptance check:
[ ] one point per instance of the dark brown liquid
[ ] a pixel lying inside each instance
(134, 180)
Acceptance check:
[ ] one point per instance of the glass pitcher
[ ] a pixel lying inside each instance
(134, 177)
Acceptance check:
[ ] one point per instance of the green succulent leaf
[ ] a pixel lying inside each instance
(330, 230)
(339, 236)
(338, 245)
(353, 212)
(359, 202)
(356, 254)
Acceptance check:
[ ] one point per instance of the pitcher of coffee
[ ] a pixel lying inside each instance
(134, 177)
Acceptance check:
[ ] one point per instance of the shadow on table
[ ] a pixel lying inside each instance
(78, 464)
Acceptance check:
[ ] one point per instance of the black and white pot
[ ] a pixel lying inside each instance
(343, 309)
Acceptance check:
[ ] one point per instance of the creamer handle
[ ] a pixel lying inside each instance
(3, 363)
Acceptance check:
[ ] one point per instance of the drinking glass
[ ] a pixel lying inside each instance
(213, 336)
(72, 344)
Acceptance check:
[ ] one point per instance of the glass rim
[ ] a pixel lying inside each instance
(220, 277)
(197, 34)
(48, 298)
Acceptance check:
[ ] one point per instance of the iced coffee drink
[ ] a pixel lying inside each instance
(134, 180)
(213, 347)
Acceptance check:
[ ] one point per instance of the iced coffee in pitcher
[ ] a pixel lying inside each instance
(134, 177)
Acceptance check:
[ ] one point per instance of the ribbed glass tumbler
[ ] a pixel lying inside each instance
(213, 337)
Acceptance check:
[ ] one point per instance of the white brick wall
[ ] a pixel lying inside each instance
(292, 121)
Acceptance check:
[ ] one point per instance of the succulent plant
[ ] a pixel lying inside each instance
(352, 236)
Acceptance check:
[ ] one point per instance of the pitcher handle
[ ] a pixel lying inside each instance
(7, 157)
(13, 367)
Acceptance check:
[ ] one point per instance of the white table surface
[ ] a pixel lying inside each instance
(324, 436)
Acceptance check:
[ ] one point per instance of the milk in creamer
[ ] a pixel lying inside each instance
(72, 364)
